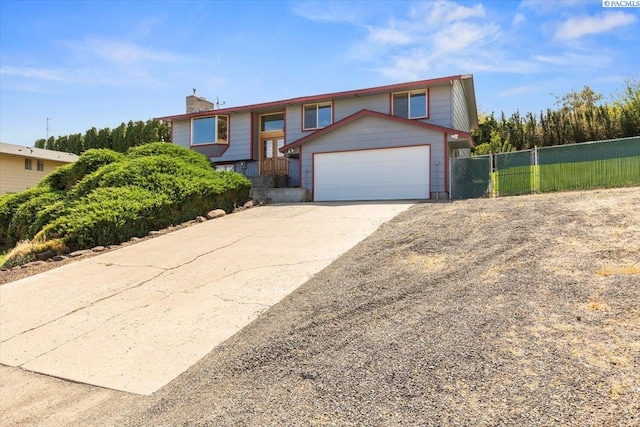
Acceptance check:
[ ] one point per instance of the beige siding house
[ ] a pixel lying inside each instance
(23, 167)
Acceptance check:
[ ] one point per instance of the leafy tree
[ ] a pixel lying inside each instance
(573, 100)
(91, 139)
(123, 137)
(104, 138)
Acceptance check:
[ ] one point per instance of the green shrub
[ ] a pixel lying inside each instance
(90, 161)
(31, 215)
(107, 198)
(9, 203)
(106, 216)
(171, 150)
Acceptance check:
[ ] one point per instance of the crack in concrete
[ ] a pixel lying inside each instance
(242, 303)
(190, 290)
(163, 271)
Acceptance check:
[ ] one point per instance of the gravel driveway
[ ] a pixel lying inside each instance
(519, 311)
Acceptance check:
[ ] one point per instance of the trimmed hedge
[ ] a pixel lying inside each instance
(9, 204)
(107, 197)
(67, 176)
(30, 216)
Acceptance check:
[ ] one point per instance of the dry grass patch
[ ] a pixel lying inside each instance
(615, 271)
(426, 262)
(25, 251)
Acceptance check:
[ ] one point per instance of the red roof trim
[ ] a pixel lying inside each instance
(318, 98)
(370, 113)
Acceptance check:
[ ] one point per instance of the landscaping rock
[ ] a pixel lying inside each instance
(35, 263)
(98, 249)
(79, 253)
(155, 233)
(216, 213)
(60, 257)
(135, 239)
(43, 256)
(250, 204)
(200, 219)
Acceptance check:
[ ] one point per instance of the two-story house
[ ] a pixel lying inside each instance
(380, 143)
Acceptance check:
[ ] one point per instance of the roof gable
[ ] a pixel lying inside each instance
(375, 114)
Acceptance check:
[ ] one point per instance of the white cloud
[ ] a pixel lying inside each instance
(63, 75)
(518, 19)
(550, 6)
(444, 12)
(99, 61)
(597, 59)
(120, 52)
(575, 28)
(328, 11)
(460, 36)
(519, 90)
(32, 73)
(411, 47)
(389, 36)
(443, 38)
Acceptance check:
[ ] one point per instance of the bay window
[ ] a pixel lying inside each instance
(210, 130)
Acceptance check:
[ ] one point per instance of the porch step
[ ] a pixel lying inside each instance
(269, 181)
(280, 195)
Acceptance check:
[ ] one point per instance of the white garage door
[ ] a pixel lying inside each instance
(380, 174)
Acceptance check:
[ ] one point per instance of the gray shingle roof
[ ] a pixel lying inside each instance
(37, 153)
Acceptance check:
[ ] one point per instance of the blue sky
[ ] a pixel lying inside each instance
(95, 63)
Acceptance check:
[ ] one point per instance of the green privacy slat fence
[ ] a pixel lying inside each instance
(600, 164)
(514, 174)
(613, 163)
(470, 177)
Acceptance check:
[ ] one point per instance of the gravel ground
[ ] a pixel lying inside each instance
(518, 311)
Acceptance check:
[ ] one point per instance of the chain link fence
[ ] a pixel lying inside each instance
(599, 164)
(470, 177)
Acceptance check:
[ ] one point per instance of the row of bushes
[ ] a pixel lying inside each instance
(107, 197)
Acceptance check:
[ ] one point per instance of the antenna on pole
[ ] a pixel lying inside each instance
(48, 129)
(218, 103)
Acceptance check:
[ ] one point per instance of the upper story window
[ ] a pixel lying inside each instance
(210, 130)
(272, 122)
(27, 164)
(40, 165)
(410, 105)
(317, 116)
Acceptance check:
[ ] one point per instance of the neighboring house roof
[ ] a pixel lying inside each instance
(467, 81)
(37, 153)
(368, 113)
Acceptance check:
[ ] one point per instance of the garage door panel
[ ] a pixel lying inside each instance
(379, 174)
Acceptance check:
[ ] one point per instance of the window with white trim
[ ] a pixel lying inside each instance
(410, 105)
(229, 167)
(27, 164)
(40, 165)
(317, 116)
(210, 130)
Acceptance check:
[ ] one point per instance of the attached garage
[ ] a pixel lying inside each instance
(372, 174)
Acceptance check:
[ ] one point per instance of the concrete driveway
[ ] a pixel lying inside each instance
(135, 318)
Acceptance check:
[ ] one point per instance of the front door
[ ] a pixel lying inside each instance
(271, 159)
